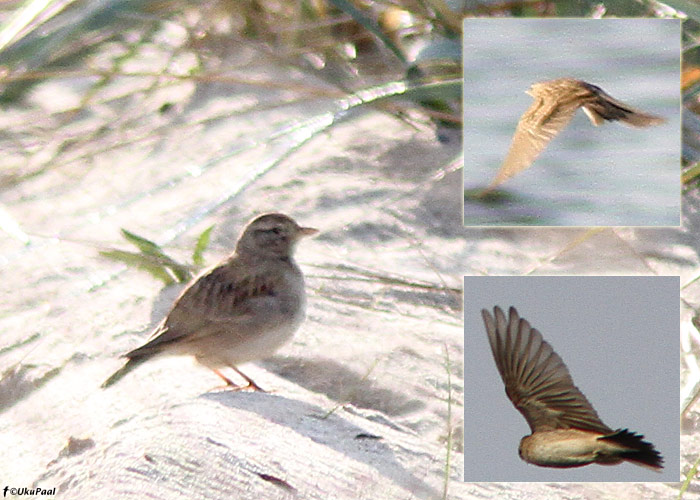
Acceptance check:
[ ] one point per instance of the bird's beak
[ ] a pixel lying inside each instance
(307, 231)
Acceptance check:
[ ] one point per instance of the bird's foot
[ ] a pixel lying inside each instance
(232, 386)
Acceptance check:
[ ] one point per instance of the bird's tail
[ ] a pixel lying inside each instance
(606, 108)
(639, 452)
(128, 366)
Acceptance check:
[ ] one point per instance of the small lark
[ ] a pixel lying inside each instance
(556, 101)
(243, 309)
(566, 430)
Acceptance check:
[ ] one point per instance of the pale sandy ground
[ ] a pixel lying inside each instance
(384, 309)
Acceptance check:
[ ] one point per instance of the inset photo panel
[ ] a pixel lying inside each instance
(571, 379)
(572, 122)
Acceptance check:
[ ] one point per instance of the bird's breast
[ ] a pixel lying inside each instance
(276, 318)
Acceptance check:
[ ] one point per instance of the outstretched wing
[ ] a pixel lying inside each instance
(536, 379)
(538, 125)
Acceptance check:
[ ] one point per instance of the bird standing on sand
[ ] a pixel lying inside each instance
(556, 102)
(566, 430)
(243, 309)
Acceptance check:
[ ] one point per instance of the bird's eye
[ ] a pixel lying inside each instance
(275, 230)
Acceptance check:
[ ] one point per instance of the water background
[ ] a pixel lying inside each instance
(607, 175)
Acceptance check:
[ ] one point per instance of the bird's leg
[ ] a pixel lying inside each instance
(232, 386)
(251, 384)
(229, 383)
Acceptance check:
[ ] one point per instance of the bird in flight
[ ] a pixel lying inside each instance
(566, 430)
(556, 102)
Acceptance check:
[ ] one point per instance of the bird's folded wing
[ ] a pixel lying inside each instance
(536, 379)
(220, 297)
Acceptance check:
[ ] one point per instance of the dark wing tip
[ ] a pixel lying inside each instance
(491, 321)
(496, 324)
(512, 312)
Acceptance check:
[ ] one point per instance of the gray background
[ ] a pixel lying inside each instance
(619, 338)
(606, 175)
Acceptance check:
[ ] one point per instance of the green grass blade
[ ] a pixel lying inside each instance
(146, 246)
(689, 477)
(201, 246)
(147, 263)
